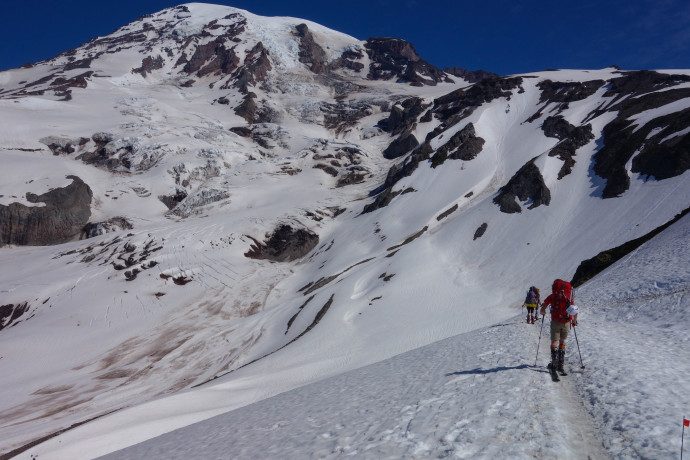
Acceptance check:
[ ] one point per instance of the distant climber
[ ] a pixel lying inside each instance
(531, 302)
(563, 315)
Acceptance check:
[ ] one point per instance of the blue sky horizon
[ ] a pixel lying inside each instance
(505, 37)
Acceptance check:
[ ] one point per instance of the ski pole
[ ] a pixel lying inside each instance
(578, 348)
(539, 343)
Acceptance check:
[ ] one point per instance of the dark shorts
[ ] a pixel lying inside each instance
(559, 331)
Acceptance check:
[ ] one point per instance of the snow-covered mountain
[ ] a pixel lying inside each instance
(209, 199)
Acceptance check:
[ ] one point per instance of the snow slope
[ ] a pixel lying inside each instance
(475, 395)
(202, 330)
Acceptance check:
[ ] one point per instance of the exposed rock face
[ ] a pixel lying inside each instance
(662, 154)
(643, 82)
(342, 116)
(348, 60)
(172, 200)
(149, 64)
(400, 146)
(471, 76)
(65, 213)
(284, 245)
(572, 138)
(663, 158)
(10, 313)
(392, 58)
(101, 228)
(192, 204)
(62, 145)
(455, 106)
(310, 53)
(79, 81)
(589, 268)
(464, 145)
(526, 184)
(256, 67)
(568, 91)
(403, 116)
(212, 58)
(562, 93)
(480, 231)
(255, 112)
(384, 193)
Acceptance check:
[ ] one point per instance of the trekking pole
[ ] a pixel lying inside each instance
(578, 348)
(539, 343)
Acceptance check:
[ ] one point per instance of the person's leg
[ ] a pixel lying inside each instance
(561, 346)
(555, 338)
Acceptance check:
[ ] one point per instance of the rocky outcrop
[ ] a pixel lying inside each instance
(392, 58)
(172, 200)
(463, 145)
(661, 143)
(255, 112)
(480, 231)
(471, 76)
(455, 106)
(589, 268)
(400, 146)
(122, 154)
(148, 65)
(403, 116)
(64, 214)
(349, 60)
(526, 184)
(310, 53)
(212, 58)
(384, 198)
(643, 82)
(255, 69)
(113, 224)
(384, 193)
(63, 145)
(342, 116)
(571, 137)
(563, 93)
(10, 313)
(193, 203)
(285, 244)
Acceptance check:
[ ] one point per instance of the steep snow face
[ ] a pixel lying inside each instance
(211, 138)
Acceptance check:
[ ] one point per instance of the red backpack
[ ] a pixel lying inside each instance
(562, 292)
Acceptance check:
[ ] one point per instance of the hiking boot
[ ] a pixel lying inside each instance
(561, 358)
(554, 358)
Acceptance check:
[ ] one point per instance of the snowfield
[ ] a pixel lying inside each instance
(475, 395)
(399, 334)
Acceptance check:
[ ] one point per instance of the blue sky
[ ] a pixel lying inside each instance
(501, 36)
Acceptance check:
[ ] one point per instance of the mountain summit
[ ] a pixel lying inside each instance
(207, 195)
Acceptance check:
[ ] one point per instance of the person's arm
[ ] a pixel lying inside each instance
(574, 320)
(547, 302)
